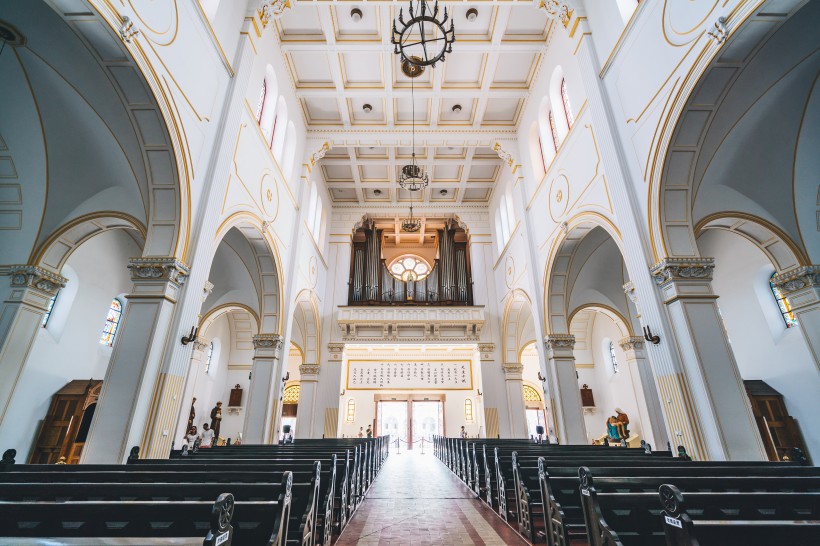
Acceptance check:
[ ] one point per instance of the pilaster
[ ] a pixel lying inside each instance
(802, 290)
(566, 400)
(513, 381)
(715, 402)
(309, 387)
(265, 375)
(646, 392)
(25, 301)
(134, 379)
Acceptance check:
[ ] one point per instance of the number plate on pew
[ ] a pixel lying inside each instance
(673, 521)
(222, 538)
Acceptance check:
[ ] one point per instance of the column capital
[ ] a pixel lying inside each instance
(200, 343)
(336, 348)
(158, 268)
(682, 269)
(308, 369)
(206, 290)
(272, 342)
(272, 9)
(807, 276)
(629, 290)
(31, 276)
(486, 351)
(556, 10)
(632, 343)
(513, 370)
(559, 341)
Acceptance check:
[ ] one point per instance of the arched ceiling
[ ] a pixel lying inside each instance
(67, 130)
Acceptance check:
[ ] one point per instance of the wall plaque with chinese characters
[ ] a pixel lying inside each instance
(410, 374)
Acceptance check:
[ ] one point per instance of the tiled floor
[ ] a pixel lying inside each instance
(417, 500)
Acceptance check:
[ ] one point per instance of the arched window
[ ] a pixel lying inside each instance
(209, 356)
(468, 410)
(291, 395)
(613, 359)
(260, 105)
(350, 415)
(317, 221)
(567, 105)
(289, 153)
(784, 305)
(49, 308)
(531, 394)
(112, 323)
(277, 144)
(555, 139)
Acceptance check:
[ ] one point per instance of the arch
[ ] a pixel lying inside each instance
(55, 251)
(229, 308)
(688, 156)
(624, 326)
(168, 164)
(781, 250)
(305, 331)
(291, 393)
(532, 394)
(556, 275)
(266, 257)
(518, 326)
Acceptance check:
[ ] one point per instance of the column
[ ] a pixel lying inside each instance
(646, 393)
(308, 386)
(717, 400)
(26, 300)
(266, 376)
(516, 411)
(133, 377)
(802, 290)
(195, 370)
(566, 400)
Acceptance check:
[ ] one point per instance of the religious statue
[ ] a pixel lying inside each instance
(191, 415)
(616, 426)
(216, 418)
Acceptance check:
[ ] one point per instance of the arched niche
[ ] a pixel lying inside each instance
(518, 325)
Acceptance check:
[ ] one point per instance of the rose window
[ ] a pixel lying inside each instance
(409, 268)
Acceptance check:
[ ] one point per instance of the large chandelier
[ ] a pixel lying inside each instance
(423, 40)
(413, 177)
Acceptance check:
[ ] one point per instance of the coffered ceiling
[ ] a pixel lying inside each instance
(353, 94)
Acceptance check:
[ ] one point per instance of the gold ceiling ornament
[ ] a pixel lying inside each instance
(272, 9)
(411, 68)
(557, 10)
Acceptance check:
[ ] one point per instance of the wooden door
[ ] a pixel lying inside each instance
(60, 424)
(778, 430)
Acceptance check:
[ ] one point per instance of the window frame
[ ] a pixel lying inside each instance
(783, 304)
(554, 130)
(613, 358)
(570, 119)
(49, 309)
(104, 336)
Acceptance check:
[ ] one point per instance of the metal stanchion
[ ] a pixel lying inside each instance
(422, 446)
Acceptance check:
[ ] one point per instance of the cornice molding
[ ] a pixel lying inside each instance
(158, 268)
(802, 277)
(31, 276)
(682, 269)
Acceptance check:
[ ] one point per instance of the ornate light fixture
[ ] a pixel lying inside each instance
(423, 40)
(412, 177)
(411, 224)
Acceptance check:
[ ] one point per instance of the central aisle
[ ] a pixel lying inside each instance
(417, 500)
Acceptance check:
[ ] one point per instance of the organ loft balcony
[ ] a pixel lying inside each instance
(410, 286)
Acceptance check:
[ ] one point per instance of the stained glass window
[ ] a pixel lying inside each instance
(612, 357)
(260, 106)
(209, 357)
(567, 105)
(409, 267)
(784, 305)
(351, 410)
(555, 140)
(468, 410)
(112, 322)
(49, 308)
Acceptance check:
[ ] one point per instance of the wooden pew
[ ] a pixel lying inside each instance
(634, 517)
(691, 519)
(223, 522)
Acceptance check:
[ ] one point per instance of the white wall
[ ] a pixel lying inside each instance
(764, 348)
(611, 390)
(68, 348)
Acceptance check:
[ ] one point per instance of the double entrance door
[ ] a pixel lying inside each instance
(410, 420)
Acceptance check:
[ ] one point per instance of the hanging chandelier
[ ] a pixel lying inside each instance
(412, 177)
(423, 40)
(411, 224)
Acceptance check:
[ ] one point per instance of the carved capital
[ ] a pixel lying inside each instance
(683, 269)
(272, 9)
(309, 369)
(32, 276)
(272, 342)
(559, 341)
(513, 368)
(335, 347)
(158, 268)
(629, 290)
(803, 277)
(556, 10)
(631, 343)
(206, 290)
(200, 343)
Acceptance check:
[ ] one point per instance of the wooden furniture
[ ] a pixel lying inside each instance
(778, 430)
(66, 425)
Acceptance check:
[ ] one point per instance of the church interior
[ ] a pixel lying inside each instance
(410, 272)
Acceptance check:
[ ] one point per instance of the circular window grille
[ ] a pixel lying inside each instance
(531, 395)
(409, 267)
(291, 395)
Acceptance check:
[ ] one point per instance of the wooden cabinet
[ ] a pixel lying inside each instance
(65, 428)
(779, 430)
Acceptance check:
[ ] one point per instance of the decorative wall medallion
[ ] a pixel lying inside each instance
(269, 196)
(313, 272)
(559, 197)
(509, 272)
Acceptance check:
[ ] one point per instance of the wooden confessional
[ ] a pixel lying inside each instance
(779, 430)
(67, 423)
